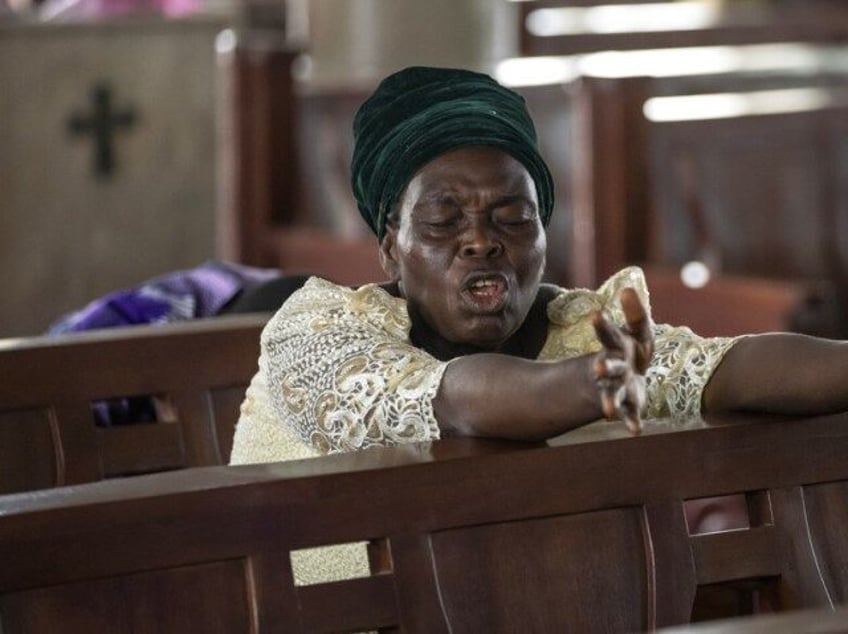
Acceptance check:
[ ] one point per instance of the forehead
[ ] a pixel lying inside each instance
(472, 171)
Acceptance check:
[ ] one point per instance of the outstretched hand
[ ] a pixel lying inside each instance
(621, 364)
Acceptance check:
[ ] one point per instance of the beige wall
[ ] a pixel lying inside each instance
(355, 42)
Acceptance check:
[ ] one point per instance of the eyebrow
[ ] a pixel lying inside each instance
(438, 196)
(509, 199)
(447, 195)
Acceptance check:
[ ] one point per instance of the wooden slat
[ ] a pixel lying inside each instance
(346, 605)
(273, 599)
(36, 463)
(740, 554)
(672, 569)
(141, 448)
(417, 587)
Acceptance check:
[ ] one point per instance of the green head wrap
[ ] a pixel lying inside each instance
(419, 113)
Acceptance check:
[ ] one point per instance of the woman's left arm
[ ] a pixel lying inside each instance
(780, 373)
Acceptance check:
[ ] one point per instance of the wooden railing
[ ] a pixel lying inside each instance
(588, 534)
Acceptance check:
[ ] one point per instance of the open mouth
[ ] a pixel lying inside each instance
(486, 293)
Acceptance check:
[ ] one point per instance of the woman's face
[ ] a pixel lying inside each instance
(467, 247)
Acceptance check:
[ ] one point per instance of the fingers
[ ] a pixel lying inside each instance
(622, 399)
(610, 335)
(639, 327)
(620, 366)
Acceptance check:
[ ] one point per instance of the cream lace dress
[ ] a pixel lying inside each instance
(338, 373)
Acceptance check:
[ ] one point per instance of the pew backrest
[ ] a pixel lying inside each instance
(565, 27)
(757, 192)
(194, 374)
(588, 535)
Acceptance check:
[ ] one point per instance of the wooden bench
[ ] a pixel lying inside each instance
(271, 214)
(196, 370)
(586, 535)
(562, 27)
(751, 194)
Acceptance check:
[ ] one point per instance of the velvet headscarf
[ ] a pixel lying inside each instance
(418, 114)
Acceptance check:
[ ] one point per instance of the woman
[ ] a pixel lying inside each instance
(464, 338)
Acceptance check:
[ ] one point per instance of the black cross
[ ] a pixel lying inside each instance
(101, 124)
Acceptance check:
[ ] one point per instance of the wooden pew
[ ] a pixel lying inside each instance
(274, 209)
(585, 535)
(755, 194)
(564, 27)
(197, 371)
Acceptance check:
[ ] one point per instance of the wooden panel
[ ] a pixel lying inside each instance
(780, 224)
(225, 410)
(197, 371)
(35, 463)
(673, 580)
(418, 592)
(261, 174)
(802, 584)
(57, 214)
(524, 576)
(724, 306)
(140, 448)
(344, 605)
(589, 535)
(827, 515)
(756, 195)
(198, 440)
(739, 554)
(207, 598)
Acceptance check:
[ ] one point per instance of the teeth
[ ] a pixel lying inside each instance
(484, 283)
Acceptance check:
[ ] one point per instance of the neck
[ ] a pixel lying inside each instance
(526, 342)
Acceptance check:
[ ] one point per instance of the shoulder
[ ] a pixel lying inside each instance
(321, 304)
(571, 331)
(568, 305)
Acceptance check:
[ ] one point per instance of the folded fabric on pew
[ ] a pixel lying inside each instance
(203, 291)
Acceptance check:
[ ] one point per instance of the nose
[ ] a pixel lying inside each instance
(479, 241)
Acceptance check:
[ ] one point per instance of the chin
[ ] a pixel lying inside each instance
(487, 338)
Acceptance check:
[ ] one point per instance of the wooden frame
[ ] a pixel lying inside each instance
(469, 535)
(197, 370)
(735, 25)
(631, 168)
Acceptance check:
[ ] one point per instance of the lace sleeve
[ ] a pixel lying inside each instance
(682, 363)
(681, 366)
(342, 372)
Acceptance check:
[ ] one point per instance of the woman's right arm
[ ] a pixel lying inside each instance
(508, 397)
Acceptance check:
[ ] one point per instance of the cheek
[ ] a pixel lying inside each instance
(534, 256)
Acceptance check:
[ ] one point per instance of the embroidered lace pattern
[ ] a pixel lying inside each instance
(337, 373)
(343, 373)
(682, 363)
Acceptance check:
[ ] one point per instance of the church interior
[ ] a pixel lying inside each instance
(183, 150)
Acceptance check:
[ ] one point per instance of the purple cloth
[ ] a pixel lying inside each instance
(189, 294)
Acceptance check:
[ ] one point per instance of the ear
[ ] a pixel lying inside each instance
(388, 259)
